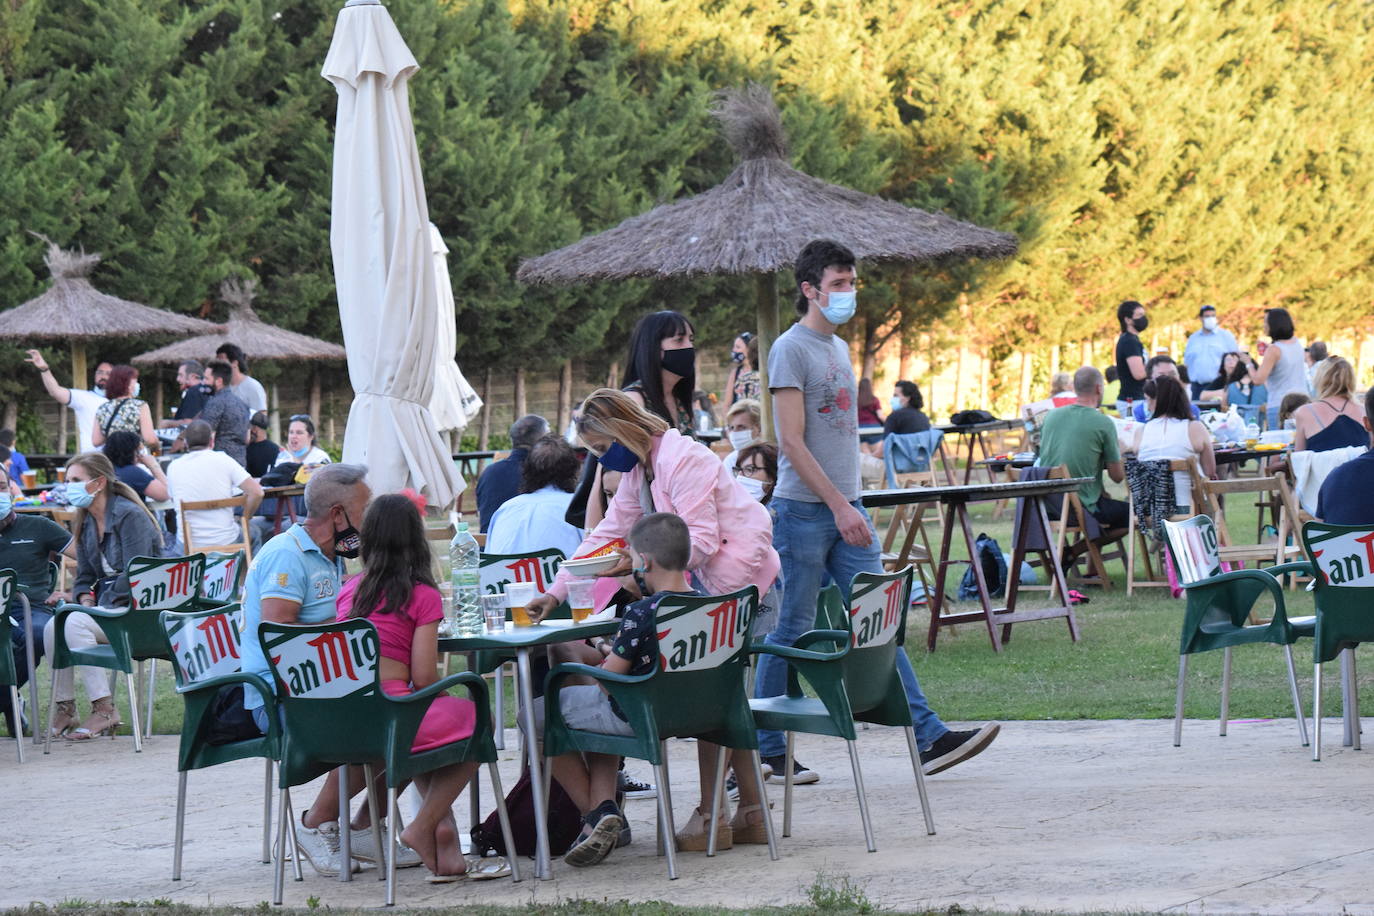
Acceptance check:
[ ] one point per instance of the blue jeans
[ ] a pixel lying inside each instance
(813, 554)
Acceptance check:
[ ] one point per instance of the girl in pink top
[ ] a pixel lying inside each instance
(396, 592)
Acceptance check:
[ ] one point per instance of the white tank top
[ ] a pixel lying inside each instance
(1166, 439)
(1289, 373)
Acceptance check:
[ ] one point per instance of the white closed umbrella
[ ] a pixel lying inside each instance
(383, 267)
(454, 402)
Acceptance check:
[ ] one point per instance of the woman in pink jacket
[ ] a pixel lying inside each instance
(731, 533)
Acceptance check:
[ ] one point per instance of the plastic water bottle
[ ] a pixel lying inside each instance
(465, 558)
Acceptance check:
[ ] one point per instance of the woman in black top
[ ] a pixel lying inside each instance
(1130, 354)
(906, 416)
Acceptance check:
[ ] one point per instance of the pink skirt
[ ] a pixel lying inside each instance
(447, 720)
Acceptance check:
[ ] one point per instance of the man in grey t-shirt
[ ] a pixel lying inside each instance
(820, 529)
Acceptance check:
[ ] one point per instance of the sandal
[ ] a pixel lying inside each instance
(64, 719)
(746, 833)
(479, 869)
(692, 838)
(103, 720)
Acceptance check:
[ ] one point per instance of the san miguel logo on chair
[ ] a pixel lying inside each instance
(220, 576)
(1344, 558)
(6, 592)
(205, 646)
(540, 568)
(325, 665)
(703, 638)
(876, 612)
(165, 585)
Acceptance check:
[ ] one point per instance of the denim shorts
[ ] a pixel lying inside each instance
(586, 707)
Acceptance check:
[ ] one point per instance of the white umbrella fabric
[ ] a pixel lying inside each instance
(383, 268)
(454, 402)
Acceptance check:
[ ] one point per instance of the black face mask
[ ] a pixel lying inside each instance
(347, 543)
(1141, 323)
(681, 363)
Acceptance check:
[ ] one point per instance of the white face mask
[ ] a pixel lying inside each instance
(739, 438)
(133, 392)
(753, 487)
(1209, 323)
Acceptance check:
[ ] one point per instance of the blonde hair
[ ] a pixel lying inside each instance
(1335, 377)
(749, 406)
(615, 415)
(97, 465)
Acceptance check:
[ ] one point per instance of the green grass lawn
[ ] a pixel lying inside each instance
(1124, 666)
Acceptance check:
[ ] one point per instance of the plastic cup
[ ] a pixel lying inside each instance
(580, 598)
(518, 597)
(30, 478)
(494, 612)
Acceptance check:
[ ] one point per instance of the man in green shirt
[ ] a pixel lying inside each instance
(1083, 438)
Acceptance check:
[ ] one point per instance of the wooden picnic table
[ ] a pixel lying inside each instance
(973, 435)
(1033, 516)
(286, 502)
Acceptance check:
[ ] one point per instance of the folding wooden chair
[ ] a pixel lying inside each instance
(1135, 538)
(1267, 552)
(1085, 539)
(233, 502)
(905, 527)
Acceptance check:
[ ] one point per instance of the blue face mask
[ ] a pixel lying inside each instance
(897, 403)
(78, 495)
(6, 504)
(618, 458)
(840, 307)
(300, 452)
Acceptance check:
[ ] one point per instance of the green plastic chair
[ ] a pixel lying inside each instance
(1219, 604)
(697, 691)
(135, 634)
(335, 713)
(1344, 591)
(9, 677)
(27, 625)
(856, 680)
(204, 647)
(223, 578)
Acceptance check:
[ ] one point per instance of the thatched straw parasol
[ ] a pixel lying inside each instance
(258, 339)
(758, 219)
(74, 311)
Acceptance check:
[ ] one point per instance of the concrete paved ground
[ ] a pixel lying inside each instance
(1055, 816)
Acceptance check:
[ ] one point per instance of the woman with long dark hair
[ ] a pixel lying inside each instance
(397, 593)
(1172, 434)
(661, 376)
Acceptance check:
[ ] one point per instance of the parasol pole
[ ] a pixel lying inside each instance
(79, 364)
(766, 291)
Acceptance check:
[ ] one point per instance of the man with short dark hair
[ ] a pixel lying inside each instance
(1347, 496)
(1158, 367)
(262, 451)
(226, 415)
(820, 529)
(534, 520)
(1205, 348)
(248, 389)
(27, 544)
(501, 479)
(1083, 438)
(1130, 355)
(194, 393)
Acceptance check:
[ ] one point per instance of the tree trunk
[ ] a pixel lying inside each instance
(61, 431)
(613, 375)
(484, 433)
(313, 405)
(274, 414)
(1025, 385)
(158, 399)
(520, 405)
(904, 358)
(565, 385)
(11, 415)
(79, 378)
(870, 350)
(958, 378)
(766, 303)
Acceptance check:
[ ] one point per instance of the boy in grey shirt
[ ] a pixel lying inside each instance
(820, 529)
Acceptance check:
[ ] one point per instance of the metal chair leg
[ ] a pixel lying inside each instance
(504, 818)
(33, 665)
(372, 816)
(787, 788)
(297, 874)
(284, 821)
(1178, 701)
(52, 711)
(1353, 713)
(152, 690)
(915, 753)
(475, 799)
(267, 812)
(665, 820)
(1317, 711)
(1225, 689)
(863, 798)
(19, 738)
(345, 827)
(133, 713)
(1293, 689)
(392, 839)
(763, 806)
(717, 790)
(499, 723)
(181, 826)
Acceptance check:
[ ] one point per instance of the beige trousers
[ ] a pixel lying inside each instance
(82, 633)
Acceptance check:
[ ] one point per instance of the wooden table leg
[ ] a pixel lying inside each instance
(945, 463)
(1056, 565)
(984, 595)
(941, 570)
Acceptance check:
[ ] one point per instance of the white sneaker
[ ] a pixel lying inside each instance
(363, 847)
(320, 846)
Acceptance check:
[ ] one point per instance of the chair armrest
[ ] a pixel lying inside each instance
(202, 691)
(473, 682)
(568, 669)
(65, 610)
(792, 653)
(1301, 567)
(839, 637)
(1262, 576)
